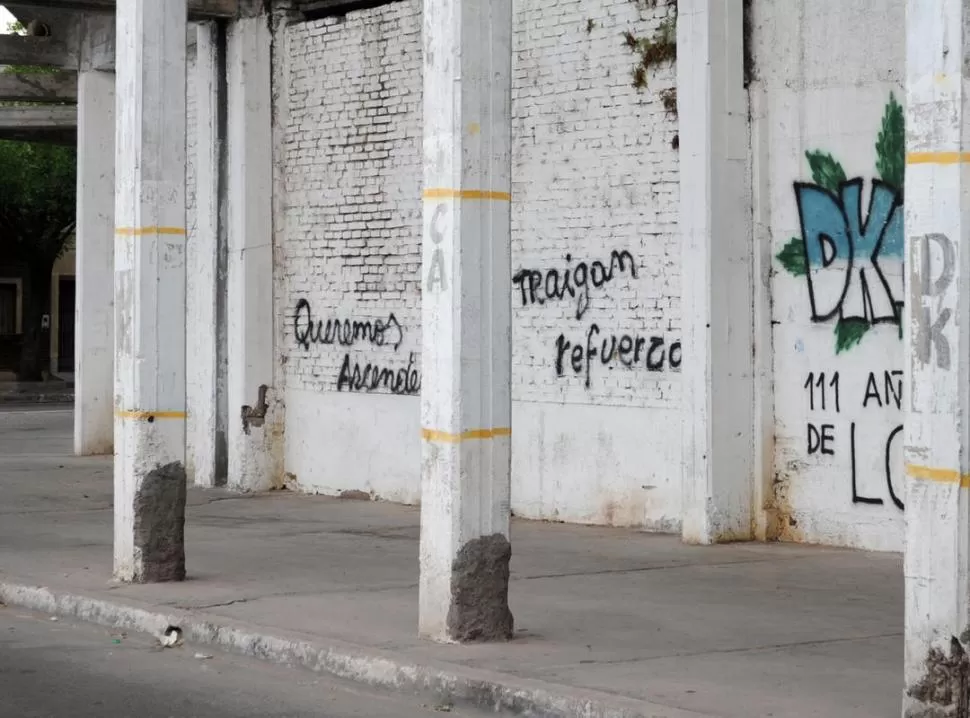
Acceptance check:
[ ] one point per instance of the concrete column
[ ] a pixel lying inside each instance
(466, 322)
(717, 290)
(149, 506)
(205, 436)
(94, 309)
(253, 425)
(937, 339)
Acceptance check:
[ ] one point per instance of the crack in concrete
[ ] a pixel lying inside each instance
(55, 511)
(234, 497)
(289, 594)
(722, 651)
(187, 607)
(642, 569)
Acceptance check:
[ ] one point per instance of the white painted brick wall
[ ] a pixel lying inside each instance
(353, 182)
(593, 171)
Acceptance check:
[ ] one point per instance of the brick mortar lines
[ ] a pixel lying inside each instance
(593, 171)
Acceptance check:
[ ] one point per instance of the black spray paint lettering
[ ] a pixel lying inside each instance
(892, 389)
(437, 277)
(857, 498)
(629, 350)
(371, 377)
(929, 331)
(823, 394)
(346, 332)
(538, 287)
(821, 390)
(820, 438)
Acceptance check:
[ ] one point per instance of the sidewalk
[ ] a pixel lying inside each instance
(630, 622)
(54, 391)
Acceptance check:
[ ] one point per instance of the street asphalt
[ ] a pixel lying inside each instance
(63, 669)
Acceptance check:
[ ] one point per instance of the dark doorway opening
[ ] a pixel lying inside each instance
(65, 325)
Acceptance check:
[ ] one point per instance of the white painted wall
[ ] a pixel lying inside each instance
(594, 172)
(825, 73)
(352, 251)
(94, 289)
(191, 140)
(254, 419)
(594, 177)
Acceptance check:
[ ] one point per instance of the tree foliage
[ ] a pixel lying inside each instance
(38, 194)
(38, 190)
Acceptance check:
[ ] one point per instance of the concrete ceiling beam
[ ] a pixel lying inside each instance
(198, 9)
(55, 124)
(21, 50)
(38, 87)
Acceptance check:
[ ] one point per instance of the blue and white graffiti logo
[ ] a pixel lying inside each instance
(853, 263)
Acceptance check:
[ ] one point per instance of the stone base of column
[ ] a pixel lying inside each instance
(945, 689)
(479, 608)
(159, 510)
(150, 498)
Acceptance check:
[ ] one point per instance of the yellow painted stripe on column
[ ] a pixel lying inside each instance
(142, 231)
(148, 415)
(940, 476)
(446, 437)
(446, 193)
(937, 158)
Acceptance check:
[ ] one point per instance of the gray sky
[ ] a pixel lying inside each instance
(5, 18)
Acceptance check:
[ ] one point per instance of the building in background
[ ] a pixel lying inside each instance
(59, 312)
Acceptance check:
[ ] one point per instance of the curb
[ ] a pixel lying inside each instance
(481, 689)
(15, 398)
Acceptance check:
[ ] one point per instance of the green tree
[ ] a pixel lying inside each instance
(38, 190)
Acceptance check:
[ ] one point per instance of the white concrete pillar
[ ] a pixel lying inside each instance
(149, 470)
(253, 434)
(94, 309)
(937, 339)
(466, 322)
(205, 453)
(717, 290)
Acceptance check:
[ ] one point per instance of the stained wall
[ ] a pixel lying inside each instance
(828, 148)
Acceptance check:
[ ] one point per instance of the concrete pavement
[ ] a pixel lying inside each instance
(55, 391)
(608, 622)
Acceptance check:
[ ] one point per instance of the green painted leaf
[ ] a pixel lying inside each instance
(827, 172)
(792, 257)
(891, 145)
(849, 332)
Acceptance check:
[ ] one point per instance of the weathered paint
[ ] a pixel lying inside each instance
(93, 331)
(205, 457)
(715, 217)
(253, 461)
(937, 345)
(149, 270)
(596, 197)
(349, 250)
(466, 323)
(827, 159)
